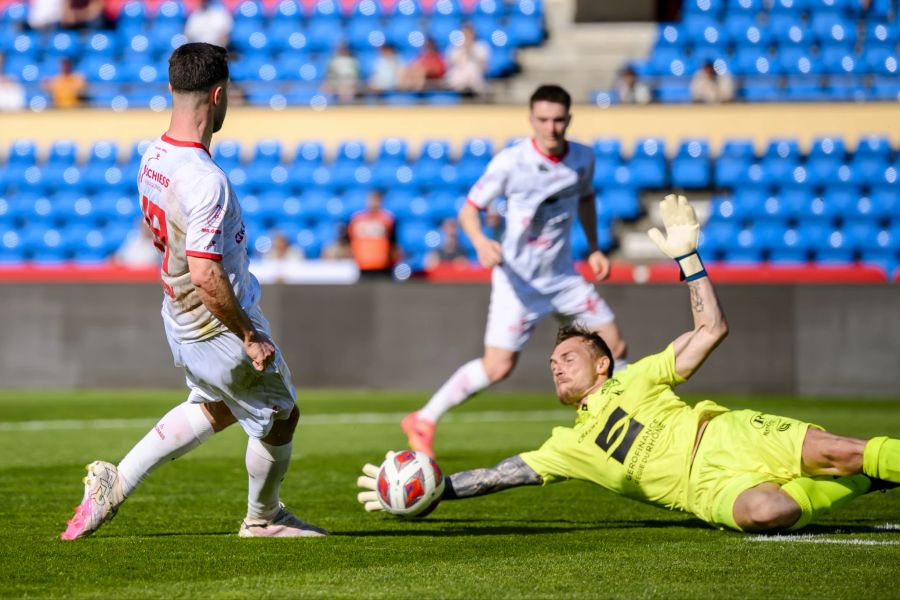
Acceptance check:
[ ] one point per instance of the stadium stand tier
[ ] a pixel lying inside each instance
(778, 50)
(280, 49)
(827, 206)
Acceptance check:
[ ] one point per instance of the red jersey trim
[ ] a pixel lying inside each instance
(550, 157)
(183, 144)
(208, 255)
(472, 202)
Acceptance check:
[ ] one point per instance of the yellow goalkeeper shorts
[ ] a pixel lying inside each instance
(741, 449)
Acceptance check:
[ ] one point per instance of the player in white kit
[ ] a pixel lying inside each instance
(215, 329)
(546, 181)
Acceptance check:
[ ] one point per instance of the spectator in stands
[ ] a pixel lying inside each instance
(711, 87)
(12, 93)
(427, 70)
(280, 263)
(630, 89)
(138, 249)
(387, 70)
(373, 237)
(210, 23)
(467, 64)
(342, 76)
(339, 249)
(68, 87)
(83, 14)
(282, 251)
(44, 15)
(450, 251)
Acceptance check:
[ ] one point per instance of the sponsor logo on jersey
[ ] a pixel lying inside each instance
(210, 245)
(152, 175)
(210, 230)
(216, 217)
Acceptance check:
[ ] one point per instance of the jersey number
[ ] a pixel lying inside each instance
(619, 428)
(155, 217)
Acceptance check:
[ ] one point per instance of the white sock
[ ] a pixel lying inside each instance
(266, 466)
(619, 364)
(468, 380)
(181, 430)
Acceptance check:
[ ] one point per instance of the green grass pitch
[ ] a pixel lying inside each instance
(176, 536)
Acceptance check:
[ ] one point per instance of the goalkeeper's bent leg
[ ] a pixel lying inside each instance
(817, 497)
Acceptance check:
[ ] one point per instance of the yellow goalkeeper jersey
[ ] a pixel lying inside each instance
(633, 436)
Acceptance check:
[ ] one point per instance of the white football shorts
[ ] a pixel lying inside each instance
(515, 311)
(218, 370)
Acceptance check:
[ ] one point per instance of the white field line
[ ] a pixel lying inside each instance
(332, 419)
(816, 539)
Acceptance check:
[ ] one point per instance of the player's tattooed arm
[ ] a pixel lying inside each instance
(509, 473)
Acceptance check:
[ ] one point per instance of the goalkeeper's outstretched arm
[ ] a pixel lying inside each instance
(509, 473)
(680, 243)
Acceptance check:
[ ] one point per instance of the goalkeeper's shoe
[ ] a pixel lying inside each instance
(102, 497)
(419, 433)
(283, 524)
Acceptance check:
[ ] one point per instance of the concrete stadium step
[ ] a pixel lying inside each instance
(578, 56)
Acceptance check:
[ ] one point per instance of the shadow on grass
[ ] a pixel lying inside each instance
(474, 527)
(165, 534)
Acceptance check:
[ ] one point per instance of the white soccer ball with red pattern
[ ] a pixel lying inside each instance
(409, 484)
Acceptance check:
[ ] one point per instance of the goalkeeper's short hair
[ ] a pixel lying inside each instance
(597, 344)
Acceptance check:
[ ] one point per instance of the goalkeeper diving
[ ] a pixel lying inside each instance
(742, 470)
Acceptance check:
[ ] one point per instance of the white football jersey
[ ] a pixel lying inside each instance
(192, 210)
(542, 194)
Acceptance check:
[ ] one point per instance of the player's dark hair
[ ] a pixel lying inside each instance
(197, 67)
(551, 93)
(596, 343)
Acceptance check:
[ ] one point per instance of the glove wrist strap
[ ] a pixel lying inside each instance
(691, 266)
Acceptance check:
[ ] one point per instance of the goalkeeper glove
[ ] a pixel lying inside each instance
(367, 481)
(682, 236)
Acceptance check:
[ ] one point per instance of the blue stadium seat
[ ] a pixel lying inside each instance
(691, 166)
(671, 35)
(882, 34)
(445, 204)
(788, 28)
(63, 43)
(881, 60)
(324, 35)
(673, 90)
(743, 248)
(723, 209)
(791, 248)
(620, 203)
(736, 158)
(526, 31)
(715, 237)
(267, 152)
(227, 154)
(418, 237)
(741, 7)
(648, 164)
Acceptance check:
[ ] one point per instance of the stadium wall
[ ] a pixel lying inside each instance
(810, 340)
(673, 123)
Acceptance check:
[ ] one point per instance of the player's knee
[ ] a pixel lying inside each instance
(618, 348)
(498, 369)
(768, 512)
(283, 429)
(219, 415)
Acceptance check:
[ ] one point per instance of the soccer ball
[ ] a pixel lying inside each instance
(409, 484)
